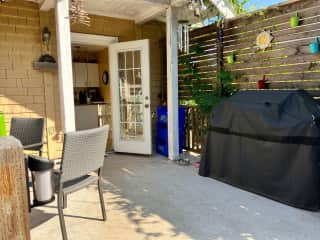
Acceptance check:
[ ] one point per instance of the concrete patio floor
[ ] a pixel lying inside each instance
(152, 198)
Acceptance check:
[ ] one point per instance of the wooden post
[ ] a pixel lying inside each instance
(172, 84)
(65, 65)
(14, 214)
(220, 61)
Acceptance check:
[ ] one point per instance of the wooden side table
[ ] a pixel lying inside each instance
(14, 215)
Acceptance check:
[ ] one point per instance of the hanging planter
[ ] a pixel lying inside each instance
(263, 84)
(231, 58)
(294, 21)
(314, 46)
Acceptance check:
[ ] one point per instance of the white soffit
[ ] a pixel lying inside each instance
(225, 7)
(92, 40)
(138, 10)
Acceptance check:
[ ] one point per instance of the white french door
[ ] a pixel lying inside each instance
(130, 92)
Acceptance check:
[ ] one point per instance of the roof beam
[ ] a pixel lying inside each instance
(46, 5)
(149, 15)
(157, 2)
(225, 7)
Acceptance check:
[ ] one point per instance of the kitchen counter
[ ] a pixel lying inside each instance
(92, 103)
(91, 115)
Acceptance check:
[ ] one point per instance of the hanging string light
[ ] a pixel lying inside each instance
(78, 14)
(183, 29)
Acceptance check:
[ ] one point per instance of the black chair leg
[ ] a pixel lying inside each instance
(103, 209)
(65, 201)
(27, 184)
(61, 216)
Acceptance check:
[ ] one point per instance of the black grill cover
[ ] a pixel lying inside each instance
(267, 142)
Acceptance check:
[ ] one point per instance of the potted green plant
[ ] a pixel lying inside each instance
(294, 21)
(231, 58)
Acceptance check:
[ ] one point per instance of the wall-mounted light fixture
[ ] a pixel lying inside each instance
(46, 36)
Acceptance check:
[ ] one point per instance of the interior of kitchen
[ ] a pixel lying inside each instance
(91, 86)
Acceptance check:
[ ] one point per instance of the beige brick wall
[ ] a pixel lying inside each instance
(21, 88)
(155, 32)
(29, 93)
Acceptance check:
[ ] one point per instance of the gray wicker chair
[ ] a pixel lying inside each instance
(30, 133)
(83, 154)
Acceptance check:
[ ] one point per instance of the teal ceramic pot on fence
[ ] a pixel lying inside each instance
(3, 131)
(314, 46)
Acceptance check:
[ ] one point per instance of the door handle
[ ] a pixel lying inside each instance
(146, 105)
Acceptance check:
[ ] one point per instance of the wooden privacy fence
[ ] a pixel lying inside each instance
(206, 63)
(287, 64)
(193, 137)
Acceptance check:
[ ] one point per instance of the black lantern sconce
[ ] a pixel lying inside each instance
(46, 36)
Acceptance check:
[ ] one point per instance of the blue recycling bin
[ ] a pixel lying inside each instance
(162, 130)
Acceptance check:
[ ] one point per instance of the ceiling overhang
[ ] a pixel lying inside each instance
(225, 8)
(139, 11)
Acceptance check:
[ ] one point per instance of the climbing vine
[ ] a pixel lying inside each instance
(204, 95)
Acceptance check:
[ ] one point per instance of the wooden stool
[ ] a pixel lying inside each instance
(14, 216)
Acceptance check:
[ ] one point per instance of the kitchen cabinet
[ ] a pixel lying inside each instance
(93, 75)
(86, 75)
(81, 74)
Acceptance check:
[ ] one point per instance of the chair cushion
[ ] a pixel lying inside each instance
(75, 184)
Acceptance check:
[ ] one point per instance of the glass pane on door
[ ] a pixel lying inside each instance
(131, 96)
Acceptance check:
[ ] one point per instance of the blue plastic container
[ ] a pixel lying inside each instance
(162, 146)
(162, 130)
(163, 115)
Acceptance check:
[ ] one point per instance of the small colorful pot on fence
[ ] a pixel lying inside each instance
(314, 46)
(294, 21)
(230, 59)
(262, 84)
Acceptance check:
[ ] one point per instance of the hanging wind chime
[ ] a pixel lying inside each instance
(78, 14)
(183, 36)
(183, 29)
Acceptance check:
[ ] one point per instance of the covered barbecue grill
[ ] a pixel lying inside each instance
(267, 142)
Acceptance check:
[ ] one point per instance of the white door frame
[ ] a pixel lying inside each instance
(65, 66)
(172, 84)
(92, 39)
(131, 146)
